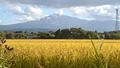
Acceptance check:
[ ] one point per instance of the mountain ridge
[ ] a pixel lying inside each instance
(56, 21)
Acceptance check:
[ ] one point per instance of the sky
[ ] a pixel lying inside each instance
(17, 11)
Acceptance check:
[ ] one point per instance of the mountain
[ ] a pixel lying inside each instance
(56, 21)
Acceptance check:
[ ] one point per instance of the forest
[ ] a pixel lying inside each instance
(71, 33)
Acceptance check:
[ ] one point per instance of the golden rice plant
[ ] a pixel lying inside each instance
(65, 53)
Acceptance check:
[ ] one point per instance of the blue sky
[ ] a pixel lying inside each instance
(18, 11)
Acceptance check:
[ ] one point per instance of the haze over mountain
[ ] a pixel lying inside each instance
(56, 21)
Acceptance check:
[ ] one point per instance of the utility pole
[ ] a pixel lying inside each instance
(117, 21)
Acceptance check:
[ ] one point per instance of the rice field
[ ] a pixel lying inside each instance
(64, 53)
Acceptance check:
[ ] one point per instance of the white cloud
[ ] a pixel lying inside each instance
(98, 13)
(16, 10)
(81, 12)
(0, 21)
(27, 14)
(24, 18)
(35, 12)
(60, 12)
(104, 13)
(18, 19)
(101, 10)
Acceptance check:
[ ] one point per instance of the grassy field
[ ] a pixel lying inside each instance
(65, 53)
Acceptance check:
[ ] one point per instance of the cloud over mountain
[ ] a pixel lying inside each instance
(29, 13)
(24, 10)
(103, 12)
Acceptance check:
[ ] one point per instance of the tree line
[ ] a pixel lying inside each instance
(72, 33)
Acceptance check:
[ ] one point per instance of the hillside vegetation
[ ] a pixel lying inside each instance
(72, 33)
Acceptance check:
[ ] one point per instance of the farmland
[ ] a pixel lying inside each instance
(64, 53)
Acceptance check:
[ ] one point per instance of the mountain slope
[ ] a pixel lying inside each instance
(56, 21)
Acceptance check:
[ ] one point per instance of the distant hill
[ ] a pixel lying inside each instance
(56, 21)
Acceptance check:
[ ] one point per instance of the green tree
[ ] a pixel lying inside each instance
(107, 35)
(10, 35)
(57, 33)
(2, 35)
(93, 35)
(65, 34)
(78, 33)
